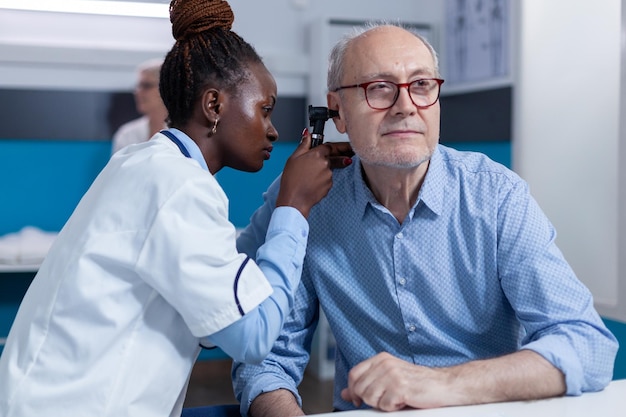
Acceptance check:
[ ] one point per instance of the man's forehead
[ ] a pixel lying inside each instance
(371, 56)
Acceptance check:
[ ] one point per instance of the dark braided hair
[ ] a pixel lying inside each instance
(206, 51)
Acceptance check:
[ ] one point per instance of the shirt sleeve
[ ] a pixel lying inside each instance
(189, 257)
(284, 366)
(262, 325)
(554, 307)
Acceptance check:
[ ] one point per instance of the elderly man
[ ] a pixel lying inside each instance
(438, 272)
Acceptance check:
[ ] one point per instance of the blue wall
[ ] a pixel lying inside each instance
(43, 180)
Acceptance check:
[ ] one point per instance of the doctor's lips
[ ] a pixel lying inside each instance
(267, 152)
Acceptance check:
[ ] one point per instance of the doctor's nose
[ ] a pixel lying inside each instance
(272, 134)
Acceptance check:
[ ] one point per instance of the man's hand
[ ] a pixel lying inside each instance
(388, 383)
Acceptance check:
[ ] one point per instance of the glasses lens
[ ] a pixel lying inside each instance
(381, 94)
(424, 92)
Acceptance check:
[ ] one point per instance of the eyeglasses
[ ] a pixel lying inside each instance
(145, 85)
(382, 95)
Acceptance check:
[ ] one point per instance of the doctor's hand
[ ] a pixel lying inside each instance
(307, 176)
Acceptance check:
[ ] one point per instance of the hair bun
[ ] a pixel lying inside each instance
(190, 17)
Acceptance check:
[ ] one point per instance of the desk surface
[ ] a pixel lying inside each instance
(608, 403)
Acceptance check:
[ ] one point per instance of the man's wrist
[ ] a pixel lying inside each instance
(279, 402)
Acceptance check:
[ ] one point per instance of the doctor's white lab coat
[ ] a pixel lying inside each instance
(144, 268)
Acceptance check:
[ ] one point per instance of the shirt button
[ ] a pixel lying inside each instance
(412, 328)
(402, 281)
(399, 235)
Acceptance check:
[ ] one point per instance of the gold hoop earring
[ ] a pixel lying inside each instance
(214, 130)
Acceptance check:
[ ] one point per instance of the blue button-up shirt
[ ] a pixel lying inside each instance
(473, 272)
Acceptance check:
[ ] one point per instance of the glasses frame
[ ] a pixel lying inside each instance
(146, 85)
(399, 86)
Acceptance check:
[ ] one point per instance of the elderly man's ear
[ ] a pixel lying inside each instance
(335, 104)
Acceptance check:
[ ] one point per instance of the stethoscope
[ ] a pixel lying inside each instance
(178, 143)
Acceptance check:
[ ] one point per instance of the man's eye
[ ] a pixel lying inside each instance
(422, 85)
(382, 86)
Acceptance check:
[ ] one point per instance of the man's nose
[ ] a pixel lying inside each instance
(404, 101)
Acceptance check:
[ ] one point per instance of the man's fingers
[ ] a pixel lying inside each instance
(346, 395)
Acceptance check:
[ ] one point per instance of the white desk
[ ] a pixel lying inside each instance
(608, 403)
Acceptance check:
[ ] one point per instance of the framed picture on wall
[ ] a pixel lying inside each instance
(477, 45)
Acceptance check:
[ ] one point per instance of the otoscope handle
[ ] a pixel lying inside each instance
(317, 119)
(316, 139)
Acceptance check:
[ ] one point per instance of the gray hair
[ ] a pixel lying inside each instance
(337, 55)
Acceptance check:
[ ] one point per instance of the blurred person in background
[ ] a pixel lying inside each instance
(149, 105)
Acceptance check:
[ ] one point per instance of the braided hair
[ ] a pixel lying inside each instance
(206, 51)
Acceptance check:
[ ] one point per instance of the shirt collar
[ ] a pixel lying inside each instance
(433, 188)
(362, 194)
(192, 147)
(431, 193)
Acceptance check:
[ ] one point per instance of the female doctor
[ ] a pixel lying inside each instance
(145, 271)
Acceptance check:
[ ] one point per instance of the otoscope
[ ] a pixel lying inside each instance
(317, 118)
